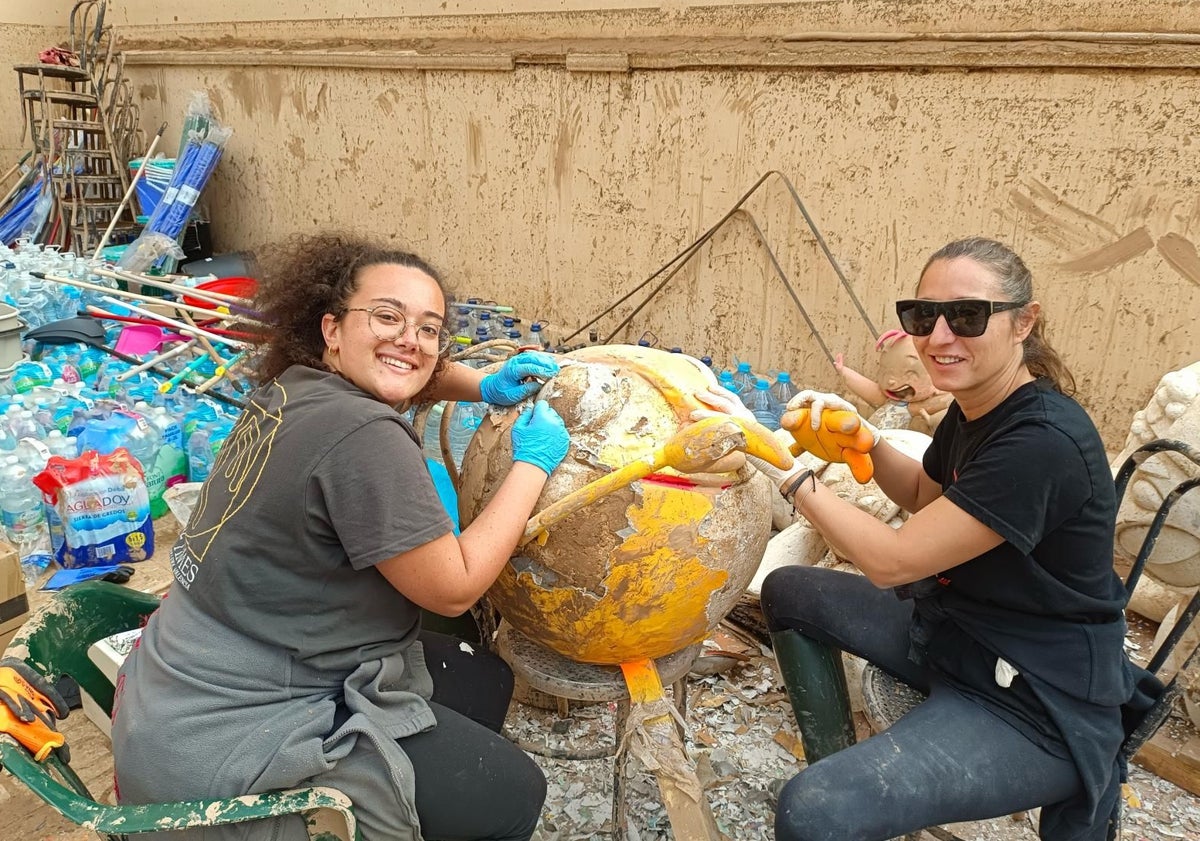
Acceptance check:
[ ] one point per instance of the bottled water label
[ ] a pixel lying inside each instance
(22, 523)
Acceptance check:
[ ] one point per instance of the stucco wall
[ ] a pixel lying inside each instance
(26, 28)
(497, 145)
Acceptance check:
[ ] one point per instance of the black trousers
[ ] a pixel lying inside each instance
(472, 783)
(949, 760)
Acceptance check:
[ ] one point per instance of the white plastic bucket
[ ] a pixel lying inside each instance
(10, 336)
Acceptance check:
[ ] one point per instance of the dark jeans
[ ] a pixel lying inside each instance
(472, 783)
(950, 759)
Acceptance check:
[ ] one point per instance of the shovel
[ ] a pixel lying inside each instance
(70, 331)
(140, 339)
(89, 331)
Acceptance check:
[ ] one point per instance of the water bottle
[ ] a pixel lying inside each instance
(28, 375)
(21, 503)
(512, 332)
(143, 442)
(8, 441)
(70, 415)
(24, 425)
(763, 406)
(783, 390)
(465, 321)
(24, 518)
(56, 444)
(101, 433)
(536, 337)
(172, 457)
(462, 328)
(464, 422)
(201, 414)
(44, 409)
(494, 328)
(726, 381)
(431, 441)
(32, 454)
(88, 362)
(743, 379)
(200, 457)
(64, 446)
(217, 434)
(35, 306)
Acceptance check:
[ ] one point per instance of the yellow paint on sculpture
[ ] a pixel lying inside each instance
(647, 534)
(655, 596)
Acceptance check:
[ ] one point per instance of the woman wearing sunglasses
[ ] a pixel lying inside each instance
(290, 651)
(996, 598)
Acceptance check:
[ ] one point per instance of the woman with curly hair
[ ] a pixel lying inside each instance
(291, 653)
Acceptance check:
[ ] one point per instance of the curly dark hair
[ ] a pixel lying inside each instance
(305, 276)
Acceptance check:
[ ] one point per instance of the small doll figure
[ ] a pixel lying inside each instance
(902, 381)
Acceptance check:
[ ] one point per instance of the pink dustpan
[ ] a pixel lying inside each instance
(137, 339)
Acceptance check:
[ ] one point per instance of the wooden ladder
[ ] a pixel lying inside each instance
(83, 125)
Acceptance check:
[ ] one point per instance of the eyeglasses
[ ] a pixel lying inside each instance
(389, 324)
(966, 318)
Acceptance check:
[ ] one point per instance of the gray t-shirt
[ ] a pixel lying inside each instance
(317, 483)
(282, 658)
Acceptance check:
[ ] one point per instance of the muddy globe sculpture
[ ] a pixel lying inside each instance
(650, 529)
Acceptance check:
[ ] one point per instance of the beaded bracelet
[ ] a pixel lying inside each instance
(797, 482)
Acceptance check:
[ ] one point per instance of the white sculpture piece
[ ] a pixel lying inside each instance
(1173, 570)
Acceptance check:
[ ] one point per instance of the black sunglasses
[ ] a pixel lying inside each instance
(966, 318)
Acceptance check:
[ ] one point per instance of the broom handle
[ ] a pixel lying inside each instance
(186, 345)
(133, 296)
(112, 223)
(219, 298)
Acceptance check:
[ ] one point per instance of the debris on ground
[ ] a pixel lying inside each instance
(742, 736)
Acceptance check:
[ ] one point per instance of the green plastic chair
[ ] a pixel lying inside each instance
(54, 642)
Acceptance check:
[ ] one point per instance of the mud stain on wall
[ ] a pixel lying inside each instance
(1180, 254)
(259, 92)
(564, 143)
(295, 145)
(1059, 221)
(386, 99)
(1114, 254)
(300, 102)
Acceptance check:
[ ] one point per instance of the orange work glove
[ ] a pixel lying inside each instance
(841, 436)
(29, 706)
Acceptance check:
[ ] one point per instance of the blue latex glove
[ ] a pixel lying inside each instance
(540, 437)
(521, 377)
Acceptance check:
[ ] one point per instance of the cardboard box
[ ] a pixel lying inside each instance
(14, 604)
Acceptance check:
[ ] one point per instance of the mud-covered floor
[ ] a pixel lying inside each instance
(741, 734)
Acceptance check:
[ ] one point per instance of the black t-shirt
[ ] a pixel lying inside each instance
(1034, 471)
(1046, 600)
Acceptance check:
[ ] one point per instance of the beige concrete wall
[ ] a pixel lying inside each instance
(26, 28)
(495, 145)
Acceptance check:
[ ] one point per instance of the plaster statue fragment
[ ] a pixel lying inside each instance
(901, 392)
